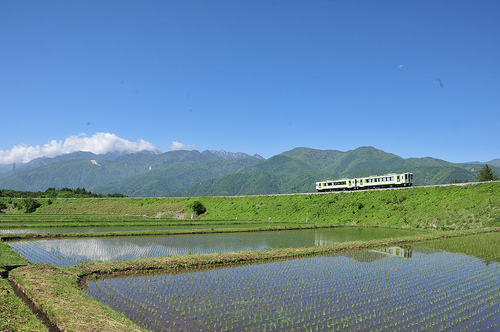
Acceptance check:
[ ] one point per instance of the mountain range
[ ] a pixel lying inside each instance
(218, 173)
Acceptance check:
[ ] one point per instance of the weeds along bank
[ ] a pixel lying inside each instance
(451, 207)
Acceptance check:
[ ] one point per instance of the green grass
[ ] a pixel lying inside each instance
(451, 207)
(58, 296)
(153, 232)
(485, 246)
(14, 313)
(9, 256)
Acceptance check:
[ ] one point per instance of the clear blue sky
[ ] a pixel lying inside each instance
(414, 78)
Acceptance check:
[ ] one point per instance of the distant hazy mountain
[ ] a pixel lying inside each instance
(194, 173)
(494, 162)
(137, 174)
(237, 155)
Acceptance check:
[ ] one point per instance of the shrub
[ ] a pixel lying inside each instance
(30, 205)
(198, 208)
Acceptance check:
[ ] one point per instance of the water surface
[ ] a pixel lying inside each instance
(71, 251)
(416, 289)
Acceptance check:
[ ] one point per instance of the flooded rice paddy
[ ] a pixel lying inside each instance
(392, 289)
(71, 251)
(70, 230)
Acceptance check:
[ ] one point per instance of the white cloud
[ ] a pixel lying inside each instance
(180, 146)
(99, 143)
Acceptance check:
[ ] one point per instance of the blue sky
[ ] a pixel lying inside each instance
(414, 78)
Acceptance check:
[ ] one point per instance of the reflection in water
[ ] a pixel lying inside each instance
(95, 249)
(403, 252)
(72, 251)
(367, 291)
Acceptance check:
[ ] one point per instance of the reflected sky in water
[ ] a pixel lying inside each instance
(405, 288)
(71, 251)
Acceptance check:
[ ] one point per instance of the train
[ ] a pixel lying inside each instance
(391, 180)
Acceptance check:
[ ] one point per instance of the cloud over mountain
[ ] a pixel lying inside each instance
(99, 143)
(180, 146)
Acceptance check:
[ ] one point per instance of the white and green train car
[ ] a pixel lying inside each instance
(370, 182)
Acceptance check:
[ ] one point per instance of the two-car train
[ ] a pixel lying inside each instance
(370, 182)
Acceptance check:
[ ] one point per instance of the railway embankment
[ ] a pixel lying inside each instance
(447, 207)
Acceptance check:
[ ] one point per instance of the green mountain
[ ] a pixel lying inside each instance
(297, 170)
(218, 173)
(173, 177)
(142, 174)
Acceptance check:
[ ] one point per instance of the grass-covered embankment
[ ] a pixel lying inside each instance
(9, 257)
(450, 207)
(15, 315)
(58, 296)
(152, 232)
(488, 248)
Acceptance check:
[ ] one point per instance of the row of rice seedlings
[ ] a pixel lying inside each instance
(440, 291)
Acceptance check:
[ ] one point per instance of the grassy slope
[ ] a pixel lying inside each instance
(455, 207)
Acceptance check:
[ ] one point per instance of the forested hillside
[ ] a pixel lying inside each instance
(218, 173)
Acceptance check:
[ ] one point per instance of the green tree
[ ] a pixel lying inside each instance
(30, 205)
(486, 174)
(2, 205)
(198, 208)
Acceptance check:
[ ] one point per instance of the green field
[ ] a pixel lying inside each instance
(444, 216)
(451, 207)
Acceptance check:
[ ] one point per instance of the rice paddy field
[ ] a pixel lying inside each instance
(72, 251)
(392, 289)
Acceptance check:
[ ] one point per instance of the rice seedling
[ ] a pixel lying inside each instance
(427, 290)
